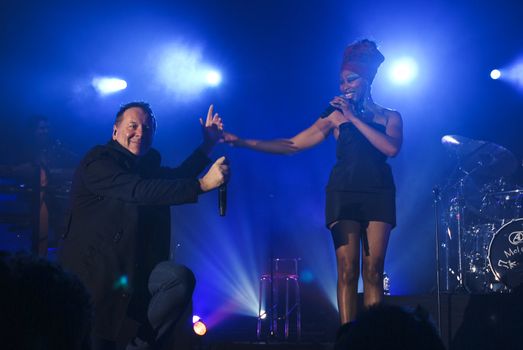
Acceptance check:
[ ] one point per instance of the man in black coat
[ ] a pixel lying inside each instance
(118, 235)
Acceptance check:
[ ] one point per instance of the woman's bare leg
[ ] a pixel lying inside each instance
(374, 244)
(346, 236)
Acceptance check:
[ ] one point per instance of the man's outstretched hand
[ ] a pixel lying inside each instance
(212, 130)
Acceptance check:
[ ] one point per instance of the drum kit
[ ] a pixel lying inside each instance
(482, 219)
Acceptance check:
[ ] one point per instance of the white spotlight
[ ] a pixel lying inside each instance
(181, 70)
(213, 78)
(107, 85)
(495, 74)
(263, 315)
(449, 139)
(404, 70)
(199, 327)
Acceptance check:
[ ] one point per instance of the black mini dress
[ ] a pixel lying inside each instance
(361, 186)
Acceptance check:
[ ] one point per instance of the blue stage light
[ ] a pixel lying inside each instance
(514, 74)
(181, 71)
(404, 71)
(495, 74)
(213, 78)
(306, 276)
(122, 282)
(449, 139)
(108, 85)
(263, 314)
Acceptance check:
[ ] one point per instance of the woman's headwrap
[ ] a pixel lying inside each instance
(362, 58)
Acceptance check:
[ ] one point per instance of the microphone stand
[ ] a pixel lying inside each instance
(274, 308)
(436, 199)
(273, 313)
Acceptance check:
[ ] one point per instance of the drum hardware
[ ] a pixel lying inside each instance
(460, 221)
(504, 205)
(505, 253)
(436, 198)
(481, 158)
(447, 271)
(479, 202)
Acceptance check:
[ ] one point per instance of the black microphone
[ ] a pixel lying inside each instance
(222, 199)
(328, 111)
(331, 108)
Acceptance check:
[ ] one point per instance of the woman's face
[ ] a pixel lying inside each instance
(352, 86)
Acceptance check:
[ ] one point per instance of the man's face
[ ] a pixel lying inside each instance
(135, 131)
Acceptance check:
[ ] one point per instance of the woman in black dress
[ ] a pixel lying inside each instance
(360, 204)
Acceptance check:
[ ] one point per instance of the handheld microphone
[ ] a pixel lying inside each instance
(222, 199)
(328, 111)
(331, 108)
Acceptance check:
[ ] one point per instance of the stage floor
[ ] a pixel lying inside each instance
(468, 322)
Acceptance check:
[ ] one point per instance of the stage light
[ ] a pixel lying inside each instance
(306, 276)
(213, 78)
(403, 71)
(108, 85)
(195, 318)
(449, 139)
(121, 282)
(514, 74)
(181, 70)
(199, 328)
(231, 274)
(495, 74)
(263, 314)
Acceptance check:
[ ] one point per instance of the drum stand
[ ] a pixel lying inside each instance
(437, 197)
(480, 160)
(460, 226)
(456, 194)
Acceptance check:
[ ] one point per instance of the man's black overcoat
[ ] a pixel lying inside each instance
(119, 226)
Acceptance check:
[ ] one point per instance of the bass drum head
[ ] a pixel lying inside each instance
(505, 254)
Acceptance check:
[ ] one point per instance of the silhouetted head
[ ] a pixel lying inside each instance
(389, 327)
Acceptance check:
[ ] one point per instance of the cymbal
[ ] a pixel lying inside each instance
(510, 194)
(482, 158)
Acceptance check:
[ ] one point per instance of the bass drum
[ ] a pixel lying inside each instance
(505, 254)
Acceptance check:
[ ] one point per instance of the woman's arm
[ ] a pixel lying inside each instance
(388, 143)
(308, 138)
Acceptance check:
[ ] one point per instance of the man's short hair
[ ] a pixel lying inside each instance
(146, 107)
